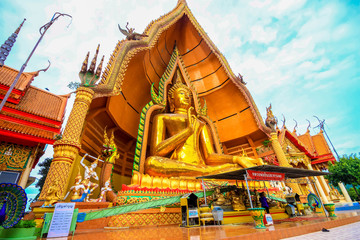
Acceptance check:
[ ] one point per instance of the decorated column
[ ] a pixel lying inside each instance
(67, 148)
(283, 162)
(345, 193)
(318, 186)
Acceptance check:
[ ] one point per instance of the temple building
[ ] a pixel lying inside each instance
(30, 119)
(167, 109)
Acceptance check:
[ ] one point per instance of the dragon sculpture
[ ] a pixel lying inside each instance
(270, 119)
(130, 33)
(109, 151)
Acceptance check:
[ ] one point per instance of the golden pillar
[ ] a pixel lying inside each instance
(318, 186)
(283, 162)
(345, 193)
(66, 149)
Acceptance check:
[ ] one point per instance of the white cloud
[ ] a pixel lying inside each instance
(262, 35)
(306, 63)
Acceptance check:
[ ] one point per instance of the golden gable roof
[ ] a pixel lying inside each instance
(136, 64)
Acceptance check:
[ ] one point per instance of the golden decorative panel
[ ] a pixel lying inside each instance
(14, 156)
(144, 219)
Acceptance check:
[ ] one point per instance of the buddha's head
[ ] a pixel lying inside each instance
(180, 97)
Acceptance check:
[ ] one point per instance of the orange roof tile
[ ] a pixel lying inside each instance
(320, 144)
(42, 103)
(8, 75)
(307, 141)
(19, 128)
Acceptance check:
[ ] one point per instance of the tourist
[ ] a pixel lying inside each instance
(264, 202)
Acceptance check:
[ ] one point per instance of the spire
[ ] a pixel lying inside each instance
(6, 47)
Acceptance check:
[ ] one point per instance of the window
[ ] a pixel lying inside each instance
(9, 176)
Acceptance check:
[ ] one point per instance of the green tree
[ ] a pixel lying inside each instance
(347, 170)
(44, 169)
(352, 193)
(73, 85)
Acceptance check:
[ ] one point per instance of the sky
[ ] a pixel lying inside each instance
(301, 56)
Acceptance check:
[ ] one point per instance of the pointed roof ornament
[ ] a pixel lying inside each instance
(99, 68)
(307, 130)
(283, 126)
(182, 1)
(19, 28)
(6, 47)
(93, 62)
(294, 131)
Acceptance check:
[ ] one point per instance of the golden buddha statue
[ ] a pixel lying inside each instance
(236, 201)
(181, 143)
(219, 199)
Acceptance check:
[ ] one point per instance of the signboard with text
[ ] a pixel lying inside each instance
(61, 221)
(266, 176)
(193, 213)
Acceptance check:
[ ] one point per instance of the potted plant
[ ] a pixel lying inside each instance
(24, 229)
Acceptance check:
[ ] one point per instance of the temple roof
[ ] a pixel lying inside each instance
(30, 115)
(136, 64)
(42, 103)
(315, 147)
(285, 133)
(8, 74)
(307, 141)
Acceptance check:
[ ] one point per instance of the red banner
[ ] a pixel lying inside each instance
(258, 175)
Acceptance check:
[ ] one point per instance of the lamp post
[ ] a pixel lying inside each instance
(42, 31)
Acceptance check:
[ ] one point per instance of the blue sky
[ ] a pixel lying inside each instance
(301, 56)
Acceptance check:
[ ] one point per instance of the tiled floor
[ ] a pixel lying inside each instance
(280, 230)
(349, 232)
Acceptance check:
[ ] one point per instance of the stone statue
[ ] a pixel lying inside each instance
(270, 119)
(130, 33)
(182, 144)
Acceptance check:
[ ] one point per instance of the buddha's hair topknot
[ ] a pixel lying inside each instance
(178, 84)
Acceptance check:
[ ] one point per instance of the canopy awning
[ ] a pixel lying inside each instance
(289, 172)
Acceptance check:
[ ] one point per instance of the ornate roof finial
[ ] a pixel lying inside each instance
(283, 126)
(87, 76)
(294, 131)
(241, 79)
(130, 33)
(307, 130)
(6, 47)
(270, 121)
(19, 28)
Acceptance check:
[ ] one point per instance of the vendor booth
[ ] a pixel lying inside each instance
(294, 204)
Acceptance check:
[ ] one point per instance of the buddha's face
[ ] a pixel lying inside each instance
(182, 98)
